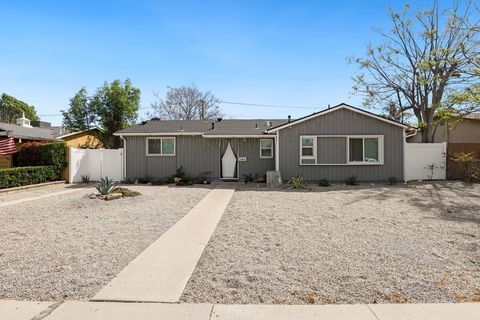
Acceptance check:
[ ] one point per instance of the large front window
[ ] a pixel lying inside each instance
(164, 146)
(338, 150)
(364, 149)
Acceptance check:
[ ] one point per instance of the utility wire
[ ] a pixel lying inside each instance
(225, 102)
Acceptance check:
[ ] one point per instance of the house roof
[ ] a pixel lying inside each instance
(29, 133)
(64, 133)
(231, 127)
(59, 131)
(473, 116)
(227, 127)
(334, 108)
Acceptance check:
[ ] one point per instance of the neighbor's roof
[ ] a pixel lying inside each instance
(473, 116)
(33, 133)
(61, 133)
(225, 127)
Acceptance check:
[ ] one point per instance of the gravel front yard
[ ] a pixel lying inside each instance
(69, 246)
(364, 244)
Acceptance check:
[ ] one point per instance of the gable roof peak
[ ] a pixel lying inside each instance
(342, 105)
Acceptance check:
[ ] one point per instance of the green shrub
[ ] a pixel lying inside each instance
(180, 173)
(298, 182)
(85, 178)
(54, 154)
(324, 183)
(22, 176)
(392, 180)
(248, 177)
(145, 180)
(28, 155)
(351, 181)
(48, 154)
(202, 177)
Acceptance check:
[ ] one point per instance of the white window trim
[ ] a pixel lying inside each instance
(160, 154)
(271, 149)
(347, 142)
(314, 147)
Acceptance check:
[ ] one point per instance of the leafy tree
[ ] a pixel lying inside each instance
(116, 106)
(80, 115)
(11, 109)
(422, 64)
(186, 103)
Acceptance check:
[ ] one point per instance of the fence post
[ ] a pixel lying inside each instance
(101, 163)
(70, 165)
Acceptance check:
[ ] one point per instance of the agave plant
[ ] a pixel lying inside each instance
(106, 186)
(298, 182)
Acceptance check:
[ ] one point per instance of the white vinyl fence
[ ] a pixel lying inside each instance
(425, 161)
(95, 162)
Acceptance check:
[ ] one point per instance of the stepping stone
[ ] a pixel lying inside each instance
(161, 272)
(21, 310)
(129, 311)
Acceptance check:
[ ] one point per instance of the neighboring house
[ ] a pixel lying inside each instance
(19, 134)
(334, 143)
(465, 131)
(25, 131)
(79, 139)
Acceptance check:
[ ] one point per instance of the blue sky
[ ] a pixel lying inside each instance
(267, 52)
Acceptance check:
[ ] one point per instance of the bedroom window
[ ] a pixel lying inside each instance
(266, 148)
(164, 146)
(364, 150)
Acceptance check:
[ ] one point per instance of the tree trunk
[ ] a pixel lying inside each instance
(426, 134)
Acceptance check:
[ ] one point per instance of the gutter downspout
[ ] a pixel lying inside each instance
(124, 160)
(409, 135)
(277, 152)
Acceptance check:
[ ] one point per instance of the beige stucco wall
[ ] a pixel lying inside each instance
(83, 140)
(466, 131)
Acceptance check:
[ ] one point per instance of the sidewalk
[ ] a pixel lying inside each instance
(151, 311)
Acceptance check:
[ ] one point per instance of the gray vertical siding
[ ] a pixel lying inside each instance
(250, 148)
(196, 154)
(331, 150)
(341, 122)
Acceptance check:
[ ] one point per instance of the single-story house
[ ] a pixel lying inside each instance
(334, 143)
(13, 136)
(19, 134)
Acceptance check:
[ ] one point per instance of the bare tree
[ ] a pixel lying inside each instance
(186, 103)
(422, 63)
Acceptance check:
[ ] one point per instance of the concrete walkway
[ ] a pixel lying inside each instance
(151, 311)
(22, 310)
(161, 272)
(10, 203)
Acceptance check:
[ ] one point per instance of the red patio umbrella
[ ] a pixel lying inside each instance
(7, 146)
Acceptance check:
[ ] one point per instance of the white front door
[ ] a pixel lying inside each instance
(229, 162)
